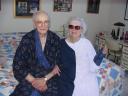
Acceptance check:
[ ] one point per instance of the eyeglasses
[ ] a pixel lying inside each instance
(74, 27)
(40, 22)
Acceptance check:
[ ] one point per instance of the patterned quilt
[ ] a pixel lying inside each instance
(110, 78)
(109, 75)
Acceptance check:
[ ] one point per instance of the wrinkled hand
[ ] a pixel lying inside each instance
(56, 70)
(39, 84)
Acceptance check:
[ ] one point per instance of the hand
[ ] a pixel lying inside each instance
(30, 78)
(39, 84)
(105, 50)
(101, 45)
(56, 70)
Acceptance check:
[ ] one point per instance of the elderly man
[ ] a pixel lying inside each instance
(34, 64)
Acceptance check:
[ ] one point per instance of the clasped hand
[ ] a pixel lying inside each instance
(39, 84)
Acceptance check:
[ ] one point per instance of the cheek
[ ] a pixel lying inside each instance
(75, 33)
(79, 33)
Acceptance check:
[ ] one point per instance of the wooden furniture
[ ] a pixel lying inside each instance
(114, 49)
(124, 59)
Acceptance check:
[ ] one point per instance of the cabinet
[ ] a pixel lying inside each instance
(124, 59)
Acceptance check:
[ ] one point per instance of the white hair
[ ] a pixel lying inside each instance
(82, 22)
(38, 14)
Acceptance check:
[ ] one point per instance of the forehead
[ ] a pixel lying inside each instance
(75, 22)
(41, 17)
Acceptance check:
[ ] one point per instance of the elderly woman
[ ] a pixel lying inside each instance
(78, 57)
(35, 60)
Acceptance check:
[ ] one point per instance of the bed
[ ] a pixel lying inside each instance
(109, 74)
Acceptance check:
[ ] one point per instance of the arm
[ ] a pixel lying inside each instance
(20, 66)
(100, 55)
(91, 55)
(30, 78)
(40, 83)
(55, 71)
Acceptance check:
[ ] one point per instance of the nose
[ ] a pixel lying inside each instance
(42, 24)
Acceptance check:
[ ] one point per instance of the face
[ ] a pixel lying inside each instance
(75, 29)
(42, 23)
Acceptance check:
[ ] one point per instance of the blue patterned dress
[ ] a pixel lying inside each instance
(26, 62)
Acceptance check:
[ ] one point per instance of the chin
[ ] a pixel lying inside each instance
(75, 36)
(43, 31)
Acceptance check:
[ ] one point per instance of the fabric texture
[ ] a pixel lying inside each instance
(99, 57)
(35, 93)
(39, 52)
(41, 58)
(85, 82)
(67, 68)
(25, 61)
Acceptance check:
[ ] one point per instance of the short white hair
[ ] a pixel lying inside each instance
(82, 22)
(38, 13)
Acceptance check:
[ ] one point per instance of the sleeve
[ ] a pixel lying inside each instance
(57, 57)
(20, 67)
(99, 57)
(91, 55)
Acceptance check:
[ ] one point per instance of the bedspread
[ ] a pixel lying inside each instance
(110, 78)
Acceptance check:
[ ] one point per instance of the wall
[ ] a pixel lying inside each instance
(96, 22)
(117, 13)
(8, 23)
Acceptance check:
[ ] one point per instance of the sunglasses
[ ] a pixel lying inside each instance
(74, 27)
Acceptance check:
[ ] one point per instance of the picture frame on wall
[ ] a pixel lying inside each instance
(126, 11)
(93, 6)
(62, 6)
(25, 8)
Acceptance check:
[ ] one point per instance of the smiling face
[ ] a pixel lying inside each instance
(75, 29)
(41, 22)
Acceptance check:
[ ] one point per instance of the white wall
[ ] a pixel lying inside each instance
(96, 22)
(7, 21)
(117, 13)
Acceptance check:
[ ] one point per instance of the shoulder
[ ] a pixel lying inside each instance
(28, 37)
(29, 34)
(86, 42)
(53, 34)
